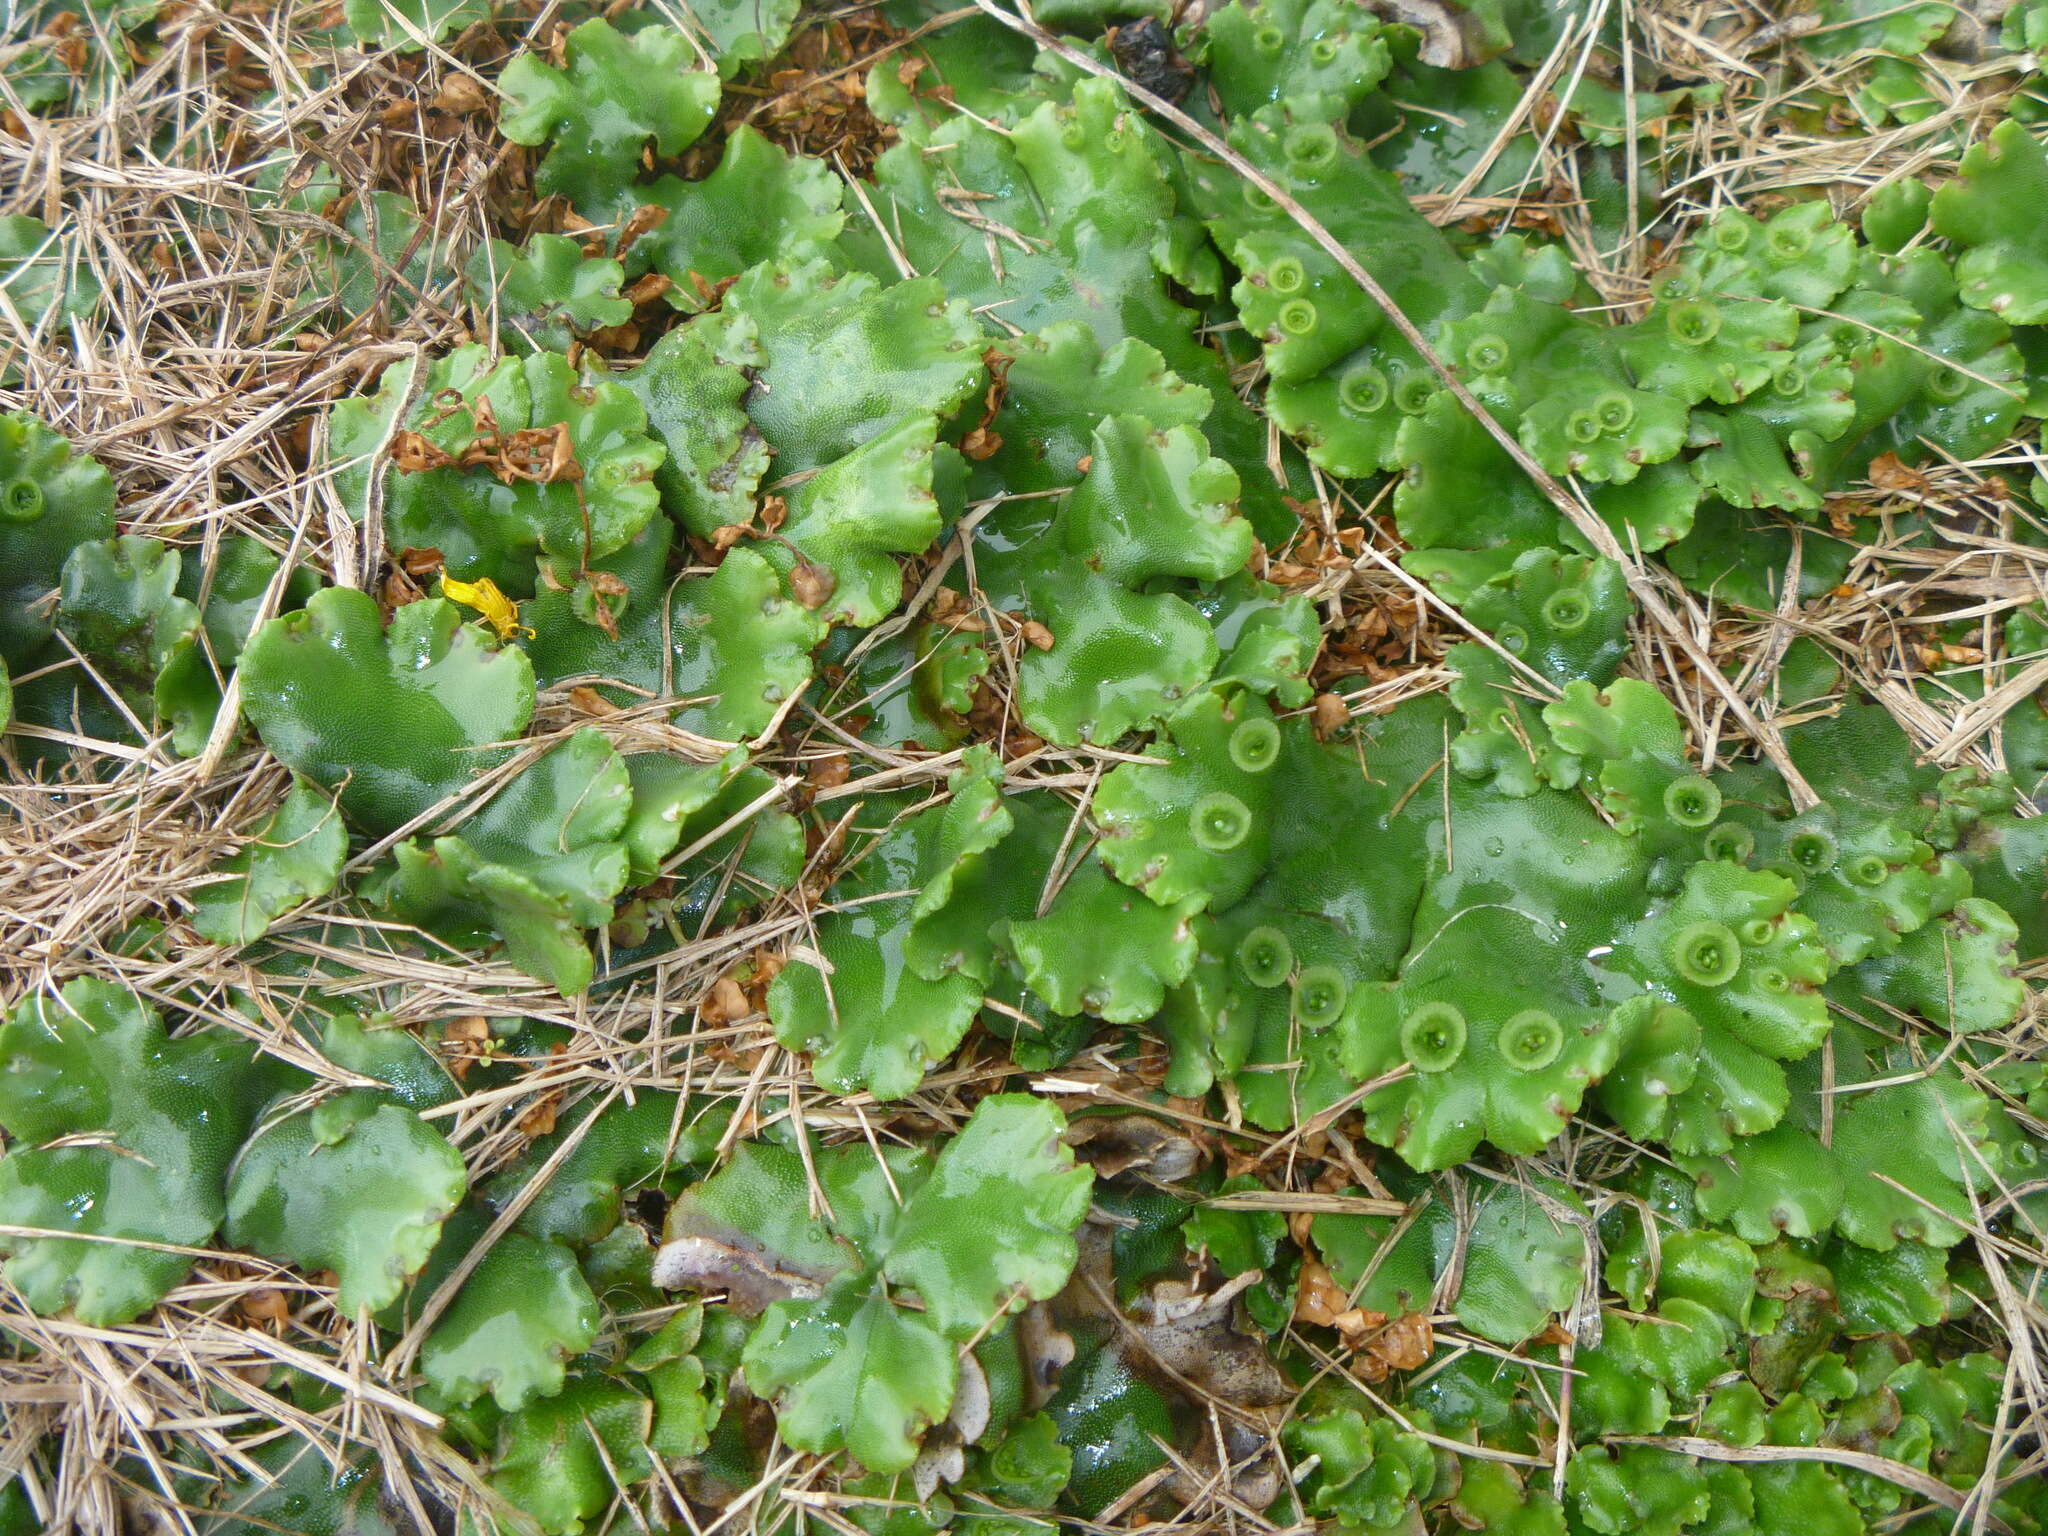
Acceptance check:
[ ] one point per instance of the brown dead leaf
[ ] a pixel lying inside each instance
(1888, 473)
(649, 288)
(266, 1308)
(1355, 1325)
(396, 590)
(647, 216)
(600, 610)
(542, 455)
(818, 103)
(1334, 1179)
(586, 700)
(465, 1042)
(539, 1118)
(710, 294)
(1405, 1343)
(1118, 1144)
(297, 442)
(1318, 1298)
(1036, 635)
(414, 455)
(615, 339)
(955, 615)
(721, 1260)
(828, 772)
(726, 1003)
(1150, 1065)
(460, 96)
(982, 440)
(1292, 574)
(1328, 715)
(812, 585)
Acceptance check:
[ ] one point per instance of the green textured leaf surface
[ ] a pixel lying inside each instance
(614, 95)
(354, 1185)
(523, 1312)
(386, 718)
(294, 857)
(150, 1125)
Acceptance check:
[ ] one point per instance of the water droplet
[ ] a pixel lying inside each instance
(1495, 847)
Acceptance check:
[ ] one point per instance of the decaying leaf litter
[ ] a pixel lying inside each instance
(1262, 1318)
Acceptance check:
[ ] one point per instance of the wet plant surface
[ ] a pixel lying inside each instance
(1243, 768)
